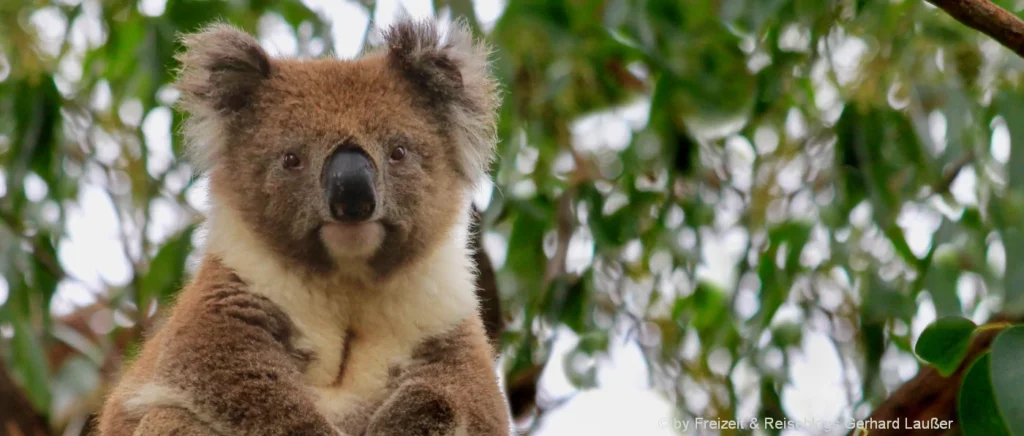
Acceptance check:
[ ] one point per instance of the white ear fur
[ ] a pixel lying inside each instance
(453, 69)
(222, 69)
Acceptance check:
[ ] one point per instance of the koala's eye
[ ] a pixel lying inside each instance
(397, 154)
(291, 161)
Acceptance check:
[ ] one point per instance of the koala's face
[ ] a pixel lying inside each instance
(339, 163)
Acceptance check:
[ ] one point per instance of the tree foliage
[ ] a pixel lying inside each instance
(712, 181)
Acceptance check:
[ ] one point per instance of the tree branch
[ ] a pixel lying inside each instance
(987, 18)
(929, 395)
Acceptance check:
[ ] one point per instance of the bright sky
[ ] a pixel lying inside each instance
(623, 403)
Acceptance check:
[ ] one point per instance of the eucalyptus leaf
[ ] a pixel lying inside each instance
(976, 405)
(29, 363)
(166, 271)
(944, 343)
(1007, 375)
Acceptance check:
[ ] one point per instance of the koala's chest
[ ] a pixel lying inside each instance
(360, 343)
(354, 357)
(366, 375)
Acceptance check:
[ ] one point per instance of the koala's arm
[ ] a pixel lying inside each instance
(227, 359)
(450, 388)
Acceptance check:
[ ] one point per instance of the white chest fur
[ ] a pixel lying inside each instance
(385, 322)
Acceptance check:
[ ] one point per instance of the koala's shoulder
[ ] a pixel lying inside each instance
(218, 308)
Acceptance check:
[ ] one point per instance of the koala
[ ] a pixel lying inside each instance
(335, 293)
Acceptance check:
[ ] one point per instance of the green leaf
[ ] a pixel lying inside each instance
(976, 404)
(34, 134)
(787, 334)
(771, 403)
(44, 279)
(944, 343)
(941, 281)
(874, 345)
(890, 174)
(574, 307)
(29, 363)
(1009, 105)
(166, 269)
(795, 234)
(190, 15)
(883, 301)
(1013, 282)
(1008, 376)
(525, 243)
(773, 289)
(705, 311)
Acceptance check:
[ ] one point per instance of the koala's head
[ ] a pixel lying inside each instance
(333, 163)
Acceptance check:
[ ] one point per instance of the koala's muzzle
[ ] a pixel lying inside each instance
(348, 183)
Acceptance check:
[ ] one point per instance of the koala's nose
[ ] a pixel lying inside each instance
(348, 184)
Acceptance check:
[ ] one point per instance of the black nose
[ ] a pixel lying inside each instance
(348, 184)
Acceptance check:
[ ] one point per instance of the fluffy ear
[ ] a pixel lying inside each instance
(222, 68)
(451, 69)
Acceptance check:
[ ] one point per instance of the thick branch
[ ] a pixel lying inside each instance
(987, 18)
(929, 395)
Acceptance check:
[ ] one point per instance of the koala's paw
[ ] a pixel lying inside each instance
(414, 410)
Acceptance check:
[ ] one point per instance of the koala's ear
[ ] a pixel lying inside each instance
(452, 70)
(222, 69)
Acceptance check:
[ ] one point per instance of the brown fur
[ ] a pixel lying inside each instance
(434, 385)
(312, 107)
(273, 307)
(172, 421)
(227, 350)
